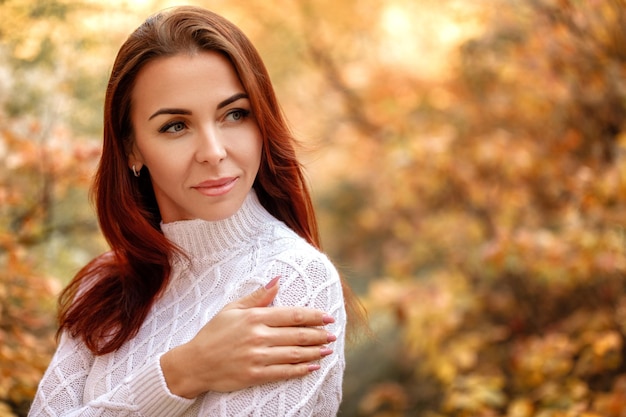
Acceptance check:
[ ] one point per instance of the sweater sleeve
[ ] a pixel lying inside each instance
(306, 280)
(61, 391)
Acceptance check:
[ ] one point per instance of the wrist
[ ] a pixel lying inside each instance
(176, 372)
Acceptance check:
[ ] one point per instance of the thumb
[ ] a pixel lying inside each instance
(259, 298)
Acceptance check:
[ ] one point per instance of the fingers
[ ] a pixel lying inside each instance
(293, 355)
(279, 316)
(281, 363)
(259, 298)
(294, 317)
(280, 372)
(297, 336)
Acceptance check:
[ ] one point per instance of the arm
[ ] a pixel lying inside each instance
(61, 391)
(151, 389)
(319, 280)
(247, 344)
(305, 281)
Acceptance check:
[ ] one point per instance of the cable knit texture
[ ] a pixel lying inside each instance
(230, 259)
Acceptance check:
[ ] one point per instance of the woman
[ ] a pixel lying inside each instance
(203, 202)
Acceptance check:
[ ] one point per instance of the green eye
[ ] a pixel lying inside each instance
(173, 127)
(237, 114)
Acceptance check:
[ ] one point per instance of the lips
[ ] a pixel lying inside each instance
(217, 187)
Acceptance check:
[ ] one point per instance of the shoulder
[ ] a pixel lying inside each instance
(288, 249)
(307, 275)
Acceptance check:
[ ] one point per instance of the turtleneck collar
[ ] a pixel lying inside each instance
(199, 238)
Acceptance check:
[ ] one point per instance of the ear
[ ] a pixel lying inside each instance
(135, 158)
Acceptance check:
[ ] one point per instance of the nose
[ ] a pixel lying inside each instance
(210, 147)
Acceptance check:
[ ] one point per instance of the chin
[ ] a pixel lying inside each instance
(220, 213)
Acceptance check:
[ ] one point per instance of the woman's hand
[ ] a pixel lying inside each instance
(248, 344)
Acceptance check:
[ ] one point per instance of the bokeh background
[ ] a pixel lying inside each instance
(467, 164)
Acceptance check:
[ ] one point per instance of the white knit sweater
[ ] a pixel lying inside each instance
(231, 258)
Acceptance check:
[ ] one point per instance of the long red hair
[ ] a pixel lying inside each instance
(108, 300)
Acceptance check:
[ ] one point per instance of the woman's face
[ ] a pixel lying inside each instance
(195, 132)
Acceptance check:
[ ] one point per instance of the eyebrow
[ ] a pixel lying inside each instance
(232, 99)
(222, 104)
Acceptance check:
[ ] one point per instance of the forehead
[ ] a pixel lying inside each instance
(205, 74)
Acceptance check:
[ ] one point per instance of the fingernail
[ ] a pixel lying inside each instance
(313, 367)
(331, 337)
(325, 351)
(273, 282)
(327, 319)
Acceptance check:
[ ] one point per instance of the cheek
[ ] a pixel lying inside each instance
(257, 156)
(261, 157)
(165, 164)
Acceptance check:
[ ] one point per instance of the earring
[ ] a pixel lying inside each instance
(135, 171)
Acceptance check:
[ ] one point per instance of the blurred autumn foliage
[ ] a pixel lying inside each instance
(468, 170)
(502, 196)
(45, 221)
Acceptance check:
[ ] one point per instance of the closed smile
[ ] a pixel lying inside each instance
(217, 187)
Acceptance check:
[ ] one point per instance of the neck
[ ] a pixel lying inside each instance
(199, 238)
